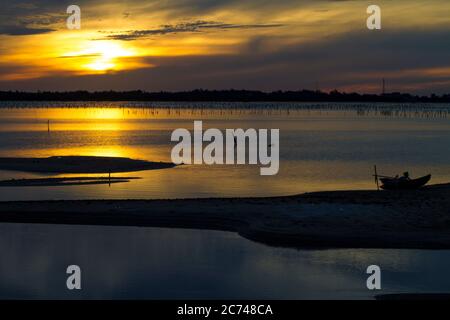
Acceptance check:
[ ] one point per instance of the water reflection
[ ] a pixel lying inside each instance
(187, 264)
(138, 109)
(322, 146)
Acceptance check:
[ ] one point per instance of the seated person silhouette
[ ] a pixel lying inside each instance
(405, 176)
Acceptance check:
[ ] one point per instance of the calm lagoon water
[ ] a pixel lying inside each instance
(152, 263)
(322, 147)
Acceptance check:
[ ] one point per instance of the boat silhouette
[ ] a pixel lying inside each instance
(402, 183)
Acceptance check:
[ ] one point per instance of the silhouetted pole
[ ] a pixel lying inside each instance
(376, 178)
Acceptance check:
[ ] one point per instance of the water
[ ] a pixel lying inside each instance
(152, 263)
(322, 147)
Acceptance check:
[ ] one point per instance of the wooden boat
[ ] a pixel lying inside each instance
(401, 183)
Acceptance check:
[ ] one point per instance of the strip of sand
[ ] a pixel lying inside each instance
(58, 182)
(346, 219)
(80, 164)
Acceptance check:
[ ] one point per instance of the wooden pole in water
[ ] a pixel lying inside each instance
(48, 126)
(376, 178)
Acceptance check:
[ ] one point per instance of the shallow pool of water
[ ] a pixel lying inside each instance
(153, 263)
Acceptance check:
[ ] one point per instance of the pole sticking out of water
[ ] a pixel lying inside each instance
(48, 126)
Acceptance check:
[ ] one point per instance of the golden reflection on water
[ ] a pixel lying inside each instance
(153, 153)
(100, 151)
(145, 134)
(163, 118)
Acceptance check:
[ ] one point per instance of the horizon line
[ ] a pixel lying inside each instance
(231, 95)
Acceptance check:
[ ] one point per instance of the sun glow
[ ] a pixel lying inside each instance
(102, 56)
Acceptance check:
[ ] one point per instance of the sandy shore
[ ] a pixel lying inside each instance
(58, 182)
(80, 164)
(351, 219)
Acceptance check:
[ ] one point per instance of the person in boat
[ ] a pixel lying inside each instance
(405, 176)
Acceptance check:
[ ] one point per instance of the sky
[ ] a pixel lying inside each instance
(267, 45)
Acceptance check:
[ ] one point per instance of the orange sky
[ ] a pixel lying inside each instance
(187, 44)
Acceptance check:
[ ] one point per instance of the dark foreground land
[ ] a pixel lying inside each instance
(347, 219)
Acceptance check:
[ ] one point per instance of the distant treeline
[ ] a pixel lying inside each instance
(221, 95)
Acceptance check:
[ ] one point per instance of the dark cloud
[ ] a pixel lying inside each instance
(45, 19)
(90, 55)
(257, 8)
(20, 18)
(22, 30)
(188, 27)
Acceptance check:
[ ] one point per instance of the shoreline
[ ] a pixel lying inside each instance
(224, 95)
(65, 181)
(80, 165)
(418, 219)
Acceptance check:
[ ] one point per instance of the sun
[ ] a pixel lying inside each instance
(101, 56)
(106, 55)
(101, 65)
